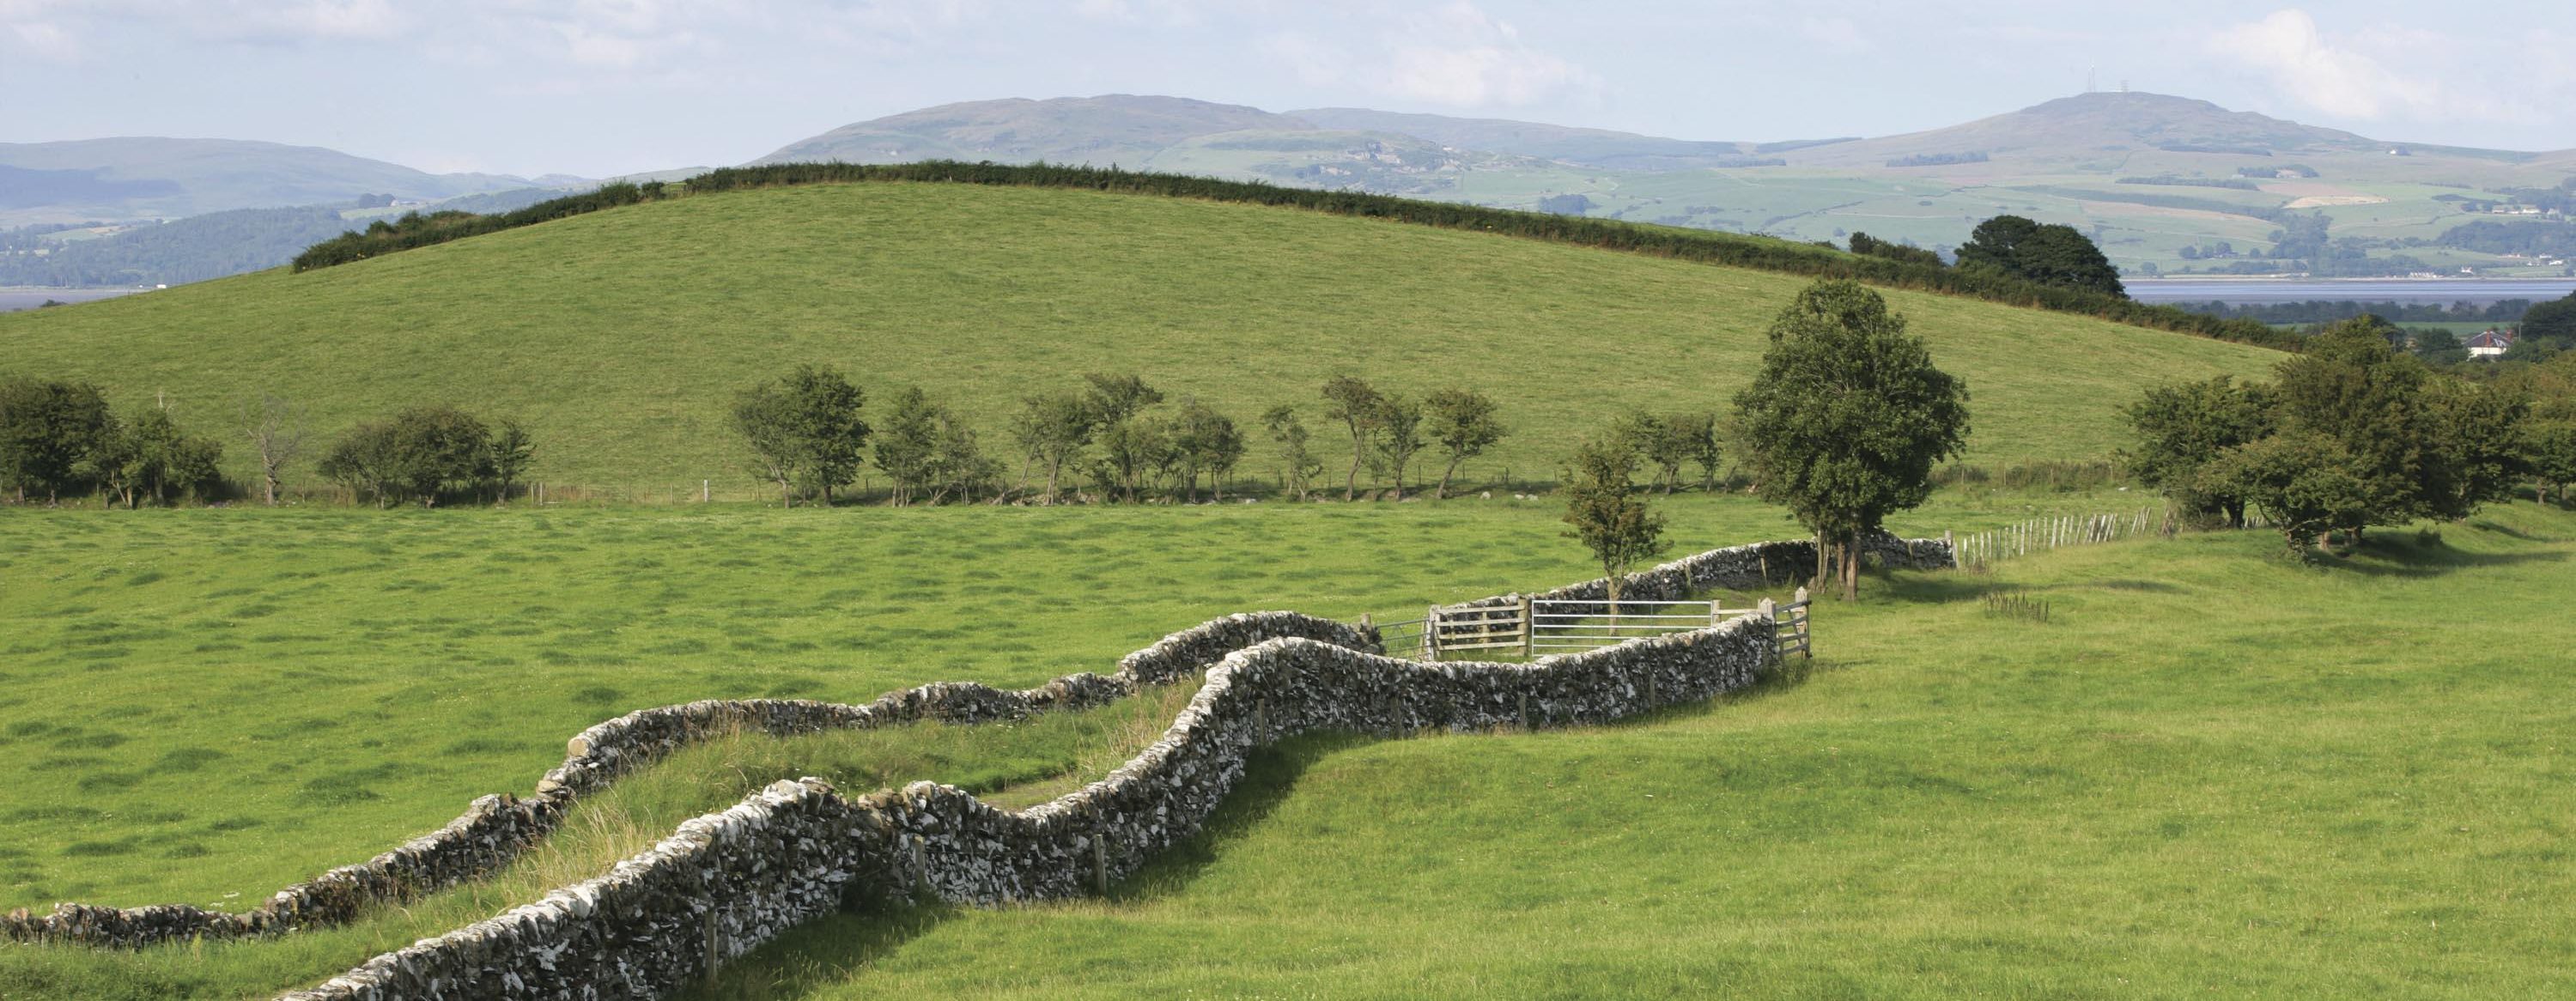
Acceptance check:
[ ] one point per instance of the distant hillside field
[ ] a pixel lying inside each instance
(620, 337)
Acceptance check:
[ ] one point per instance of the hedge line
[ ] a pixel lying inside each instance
(1760, 253)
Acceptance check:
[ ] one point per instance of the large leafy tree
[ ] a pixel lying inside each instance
(2306, 481)
(47, 429)
(2184, 426)
(2478, 449)
(414, 456)
(2048, 254)
(2353, 388)
(2551, 323)
(1847, 418)
(804, 430)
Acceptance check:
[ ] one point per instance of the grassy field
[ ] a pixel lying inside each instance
(222, 702)
(2210, 774)
(621, 337)
(1988, 803)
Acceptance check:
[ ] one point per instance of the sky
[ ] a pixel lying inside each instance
(603, 87)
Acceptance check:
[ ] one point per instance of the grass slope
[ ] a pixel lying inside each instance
(2209, 775)
(620, 336)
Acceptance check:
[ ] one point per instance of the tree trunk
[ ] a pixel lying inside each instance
(1053, 465)
(1824, 553)
(1851, 573)
(1443, 492)
(1351, 484)
(785, 499)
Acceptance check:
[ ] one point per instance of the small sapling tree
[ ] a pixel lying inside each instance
(907, 444)
(1603, 510)
(507, 456)
(1398, 436)
(1462, 423)
(1206, 442)
(276, 433)
(1846, 420)
(149, 456)
(1297, 466)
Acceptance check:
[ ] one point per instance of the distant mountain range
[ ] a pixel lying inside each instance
(131, 178)
(2165, 184)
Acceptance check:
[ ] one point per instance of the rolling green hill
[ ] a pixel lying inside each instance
(620, 336)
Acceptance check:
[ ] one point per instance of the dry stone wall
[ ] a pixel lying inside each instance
(727, 882)
(495, 829)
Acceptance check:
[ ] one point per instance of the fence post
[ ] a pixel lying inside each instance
(1431, 633)
(1806, 643)
(1529, 628)
(706, 491)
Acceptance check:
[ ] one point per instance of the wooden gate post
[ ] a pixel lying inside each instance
(1806, 643)
(1529, 627)
(1431, 633)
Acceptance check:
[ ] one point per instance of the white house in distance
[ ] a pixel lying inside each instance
(2489, 343)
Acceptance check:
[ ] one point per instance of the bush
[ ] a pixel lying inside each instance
(417, 455)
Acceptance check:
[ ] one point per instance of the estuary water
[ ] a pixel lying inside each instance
(14, 299)
(2416, 290)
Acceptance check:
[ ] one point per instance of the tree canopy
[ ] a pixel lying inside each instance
(1847, 418)
(2048, 254)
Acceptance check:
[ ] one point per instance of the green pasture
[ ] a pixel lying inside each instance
(2210, 774)
(621, 337)
(224, 701)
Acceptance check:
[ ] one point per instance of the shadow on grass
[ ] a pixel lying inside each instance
(2421, 554)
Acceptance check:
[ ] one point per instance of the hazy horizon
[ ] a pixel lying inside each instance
(601, 87)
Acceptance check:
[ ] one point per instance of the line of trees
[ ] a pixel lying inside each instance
(61, 439)
(2352, 434)
(1121, 438)
(2004, 285)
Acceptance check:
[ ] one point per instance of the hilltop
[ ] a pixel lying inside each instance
(2084, 127)
(2148, 174)
(1112, 128)
(622, 335)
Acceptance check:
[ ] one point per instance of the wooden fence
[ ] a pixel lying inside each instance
(1536, 627)
(2040, 535)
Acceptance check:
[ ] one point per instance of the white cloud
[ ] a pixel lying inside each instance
(1838, 35)
(1455, 55)
(2334, 79)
